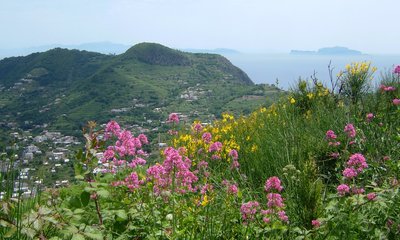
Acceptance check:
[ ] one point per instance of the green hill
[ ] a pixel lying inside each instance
(66, 88)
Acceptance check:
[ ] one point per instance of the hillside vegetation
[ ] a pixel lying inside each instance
(319, 164)
(66, 88)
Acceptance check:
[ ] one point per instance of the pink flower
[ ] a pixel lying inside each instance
(235, 164)
(371, 196)
(108, 154)
(234, 154)
(273, 183)
(396, 101)
(316, 223)
(350, 130)
(112, 128)
(282, 215)
(397, 69)
(175, 170)
(370, 116)
(358, 162)
(172, 132)
(215, 147)
(330, 135)
(356, 190)
(335, 144)
(132, 181)
(233, 189)
(206, 137)
(266, 220)
(173, 118)
(349, 173)
(386, 158)
(143, 139)
(387, 88)
(335, 155)
(197, 127)
(249, 210)
(275, 200)
(390, 89)
(343, 189)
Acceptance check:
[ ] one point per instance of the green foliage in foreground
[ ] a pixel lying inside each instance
(198, 190)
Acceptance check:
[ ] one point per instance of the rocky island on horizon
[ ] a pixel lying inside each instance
(328, 51)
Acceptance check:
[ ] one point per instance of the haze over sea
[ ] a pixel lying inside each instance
(287, 68)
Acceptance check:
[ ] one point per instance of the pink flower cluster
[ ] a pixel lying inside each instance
(173, 118)
(350, 130)
(354, 166)
(235, 156)
(207, 137)
(174, 168)
(127, 148)
(396, 101)
(371, 196)
(197, 127)
(316, 223)
(358, 162)
(275, 204)
(387, 88)
(342, 189)
(112, 128)
(131, 182)
(331, 137)
(275, 201)
(231, 188)
(215, 147)
(249, 210)
(273, 183)
(397, 70)
(370, 117)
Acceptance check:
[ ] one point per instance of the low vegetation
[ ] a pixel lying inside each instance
(322, 163)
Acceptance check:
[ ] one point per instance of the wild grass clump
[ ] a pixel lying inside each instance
(318, 164)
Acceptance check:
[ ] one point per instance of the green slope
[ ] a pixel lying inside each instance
(66, 88)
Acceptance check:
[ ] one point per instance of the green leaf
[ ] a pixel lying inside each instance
(85, 198)
(90, 189)
(79, 177)
(97, 236)
(11, 232)
(121, 214)
(75, 202)
(103, 193)
(5, 224)
(44, 210)
(50, 219)
(29, 232)
(78, 236)
(79, 211)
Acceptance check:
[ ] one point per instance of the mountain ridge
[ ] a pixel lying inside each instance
(65, 88)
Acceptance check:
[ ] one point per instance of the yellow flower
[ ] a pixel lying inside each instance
(310, 95)
(253, 148)
(292, 101)
(205, 201)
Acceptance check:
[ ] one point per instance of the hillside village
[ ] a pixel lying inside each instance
(46, 159)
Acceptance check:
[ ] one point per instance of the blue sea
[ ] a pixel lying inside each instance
(287, 68)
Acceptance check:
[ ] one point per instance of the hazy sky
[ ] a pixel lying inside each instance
(370, 26)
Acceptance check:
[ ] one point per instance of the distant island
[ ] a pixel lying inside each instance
(328, 51)
(213, 51)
